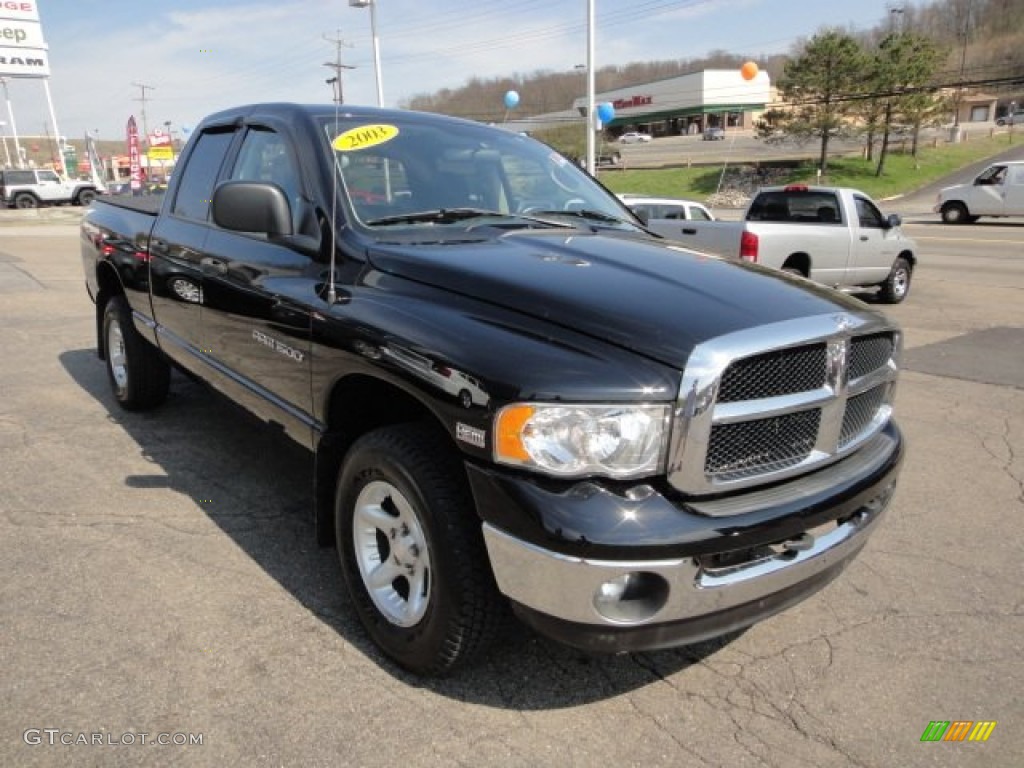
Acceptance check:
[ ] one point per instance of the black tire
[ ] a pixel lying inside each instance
(955, 213)
(85, 197)
(411, 473)
(139, 375)
(897, 284)
(25, 200)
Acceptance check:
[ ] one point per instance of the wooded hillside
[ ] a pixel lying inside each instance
(995, 49)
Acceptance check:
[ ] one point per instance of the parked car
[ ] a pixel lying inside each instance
(832, 235)
(635, 137)
(714, 134)
(1015, 118)
(33, 188)
(996, 191)
(670, 208)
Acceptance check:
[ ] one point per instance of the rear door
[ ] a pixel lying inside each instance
(176, 248)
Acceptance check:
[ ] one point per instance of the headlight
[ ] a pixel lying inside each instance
(618, 441)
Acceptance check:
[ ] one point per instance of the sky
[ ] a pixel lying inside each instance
(200, 56)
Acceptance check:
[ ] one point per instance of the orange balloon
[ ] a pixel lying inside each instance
(749, 70)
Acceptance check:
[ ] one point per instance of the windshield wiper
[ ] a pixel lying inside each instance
(438, 216)
(585, 213)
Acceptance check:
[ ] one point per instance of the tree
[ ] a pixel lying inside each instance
(904, 65)
(817, 85)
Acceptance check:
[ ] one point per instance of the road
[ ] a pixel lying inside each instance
(160, 576)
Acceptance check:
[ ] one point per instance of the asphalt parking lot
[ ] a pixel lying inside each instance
(160, 577)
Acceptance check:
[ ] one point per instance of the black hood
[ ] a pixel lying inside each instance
(644, 295)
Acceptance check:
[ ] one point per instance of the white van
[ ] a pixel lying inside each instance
(997, 191)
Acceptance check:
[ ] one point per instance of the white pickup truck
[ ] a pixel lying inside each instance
(832, 235)
(996, 191)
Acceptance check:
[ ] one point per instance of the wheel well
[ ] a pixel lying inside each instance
(911, 260)
(357, 405)
(109, 286)
(799, 261)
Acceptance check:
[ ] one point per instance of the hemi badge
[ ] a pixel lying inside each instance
(471, 435)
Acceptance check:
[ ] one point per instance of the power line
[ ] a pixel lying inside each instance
(142, 98)
(337, 66)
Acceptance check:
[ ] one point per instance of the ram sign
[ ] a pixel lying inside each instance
(22, 47)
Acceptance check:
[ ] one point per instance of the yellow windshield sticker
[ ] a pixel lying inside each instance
(364, 137)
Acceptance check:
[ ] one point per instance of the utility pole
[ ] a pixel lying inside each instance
(142, 98)
(963, 66)
(337, 66)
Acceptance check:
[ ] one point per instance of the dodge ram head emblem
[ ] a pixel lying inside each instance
(843, 322)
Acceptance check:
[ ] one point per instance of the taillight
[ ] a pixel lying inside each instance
(748, 247)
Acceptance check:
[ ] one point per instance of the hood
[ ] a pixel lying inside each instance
(643, 295)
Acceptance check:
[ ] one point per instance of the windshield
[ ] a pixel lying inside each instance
(417, 173)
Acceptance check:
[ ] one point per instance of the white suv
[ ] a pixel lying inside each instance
(30, 189)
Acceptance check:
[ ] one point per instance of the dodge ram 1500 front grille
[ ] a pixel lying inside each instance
(770, 403)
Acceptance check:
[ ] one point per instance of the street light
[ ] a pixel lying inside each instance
(376, 43)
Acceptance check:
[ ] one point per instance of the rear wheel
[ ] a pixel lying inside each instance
(139, 374)
(412, 551)
(86, 196)
(25, 200)
(897, 284)
(955, 213)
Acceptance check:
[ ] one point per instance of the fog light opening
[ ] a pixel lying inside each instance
(631, 597)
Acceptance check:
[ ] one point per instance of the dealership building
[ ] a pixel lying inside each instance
(685, 104)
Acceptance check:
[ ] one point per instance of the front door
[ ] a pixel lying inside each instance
(256, 298)
(875, 245)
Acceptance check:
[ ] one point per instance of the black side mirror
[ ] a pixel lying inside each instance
(893, 220)
(252, 206)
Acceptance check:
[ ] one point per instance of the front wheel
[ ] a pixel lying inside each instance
(85, 197)
(897, 284)
(955, 213)
(412, 551)
(139, 374)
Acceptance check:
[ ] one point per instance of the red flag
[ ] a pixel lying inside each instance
(133, 155)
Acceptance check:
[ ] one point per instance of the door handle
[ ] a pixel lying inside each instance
(689, 231)
(863, 238)
(214, 267)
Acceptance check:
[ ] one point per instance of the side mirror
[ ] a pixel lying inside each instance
(893, 220)
(252, 206)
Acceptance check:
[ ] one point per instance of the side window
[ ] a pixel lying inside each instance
(868, 215)
(674, 212)
(48, 177)
(265, 157)
(699, 214)
(192, 200)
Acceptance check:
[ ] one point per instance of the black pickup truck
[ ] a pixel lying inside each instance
(516, 396)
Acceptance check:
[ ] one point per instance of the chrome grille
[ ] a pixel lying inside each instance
(779, 372)
(860, 412)
(869, 353)
(769, 403)
(765, 445)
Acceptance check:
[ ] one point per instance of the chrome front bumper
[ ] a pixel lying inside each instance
(740, 588)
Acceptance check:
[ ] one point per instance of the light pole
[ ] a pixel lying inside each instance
(376, 43)
(14, 125)
(591, 114)
(3, 135)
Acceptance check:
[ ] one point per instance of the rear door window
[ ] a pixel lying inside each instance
(192, 200)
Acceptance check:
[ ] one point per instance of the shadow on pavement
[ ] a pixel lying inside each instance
(203, 446)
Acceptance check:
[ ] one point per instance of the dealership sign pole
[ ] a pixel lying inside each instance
(24, 53)
(133, 155)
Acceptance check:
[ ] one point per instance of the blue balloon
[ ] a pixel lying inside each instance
(511, 99)
(605, 112)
